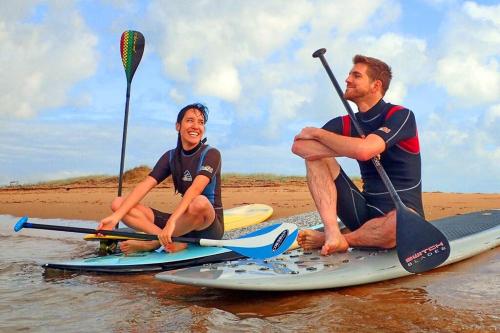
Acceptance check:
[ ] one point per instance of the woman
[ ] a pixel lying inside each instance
(195, 169)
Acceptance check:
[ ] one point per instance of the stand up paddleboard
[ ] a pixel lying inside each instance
(234, 218)
(468, 235)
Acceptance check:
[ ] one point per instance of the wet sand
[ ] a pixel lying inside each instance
(462, 297)
(286, 197)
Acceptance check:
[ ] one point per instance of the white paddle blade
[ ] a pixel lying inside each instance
(264, 243)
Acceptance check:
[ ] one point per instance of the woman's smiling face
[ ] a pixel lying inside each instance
(191, 128)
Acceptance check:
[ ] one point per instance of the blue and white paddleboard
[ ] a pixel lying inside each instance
(469, 234)
(193, 255)
(147, 261)
(236, 220)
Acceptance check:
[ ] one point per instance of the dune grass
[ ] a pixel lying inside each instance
(136, 174)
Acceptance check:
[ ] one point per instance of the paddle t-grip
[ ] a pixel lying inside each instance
(319, 53)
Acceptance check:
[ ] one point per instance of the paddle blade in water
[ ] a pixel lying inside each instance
(131, 50)
(421, 246)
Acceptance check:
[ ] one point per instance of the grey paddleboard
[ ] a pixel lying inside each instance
(469, 235)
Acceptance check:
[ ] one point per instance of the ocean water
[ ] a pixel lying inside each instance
(462, 297)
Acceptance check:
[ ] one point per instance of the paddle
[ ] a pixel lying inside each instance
(131, 50)
(264, 243)
(420, 245)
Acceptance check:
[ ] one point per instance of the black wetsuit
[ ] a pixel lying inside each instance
(203, 160)
(401, 160)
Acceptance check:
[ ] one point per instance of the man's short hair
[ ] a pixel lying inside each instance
(377, 70)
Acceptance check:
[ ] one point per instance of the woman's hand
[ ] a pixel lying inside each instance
(108, 223)
(165, 237)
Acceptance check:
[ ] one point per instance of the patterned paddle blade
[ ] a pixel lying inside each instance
(131, 50)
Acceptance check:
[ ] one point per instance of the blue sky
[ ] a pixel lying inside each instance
(63, 86)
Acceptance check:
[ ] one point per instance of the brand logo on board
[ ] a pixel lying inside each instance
(280, 239)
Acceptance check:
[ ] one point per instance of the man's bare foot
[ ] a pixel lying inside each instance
(175, 247)
(334, 242)
(378, 232)
(132, 246)
(313, 239)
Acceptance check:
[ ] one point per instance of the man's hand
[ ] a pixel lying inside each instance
(307, 133)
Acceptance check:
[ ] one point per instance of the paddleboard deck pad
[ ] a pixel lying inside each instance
(468, 234)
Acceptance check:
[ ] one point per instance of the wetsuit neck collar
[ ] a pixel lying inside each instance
(192, 151)
(373, 112)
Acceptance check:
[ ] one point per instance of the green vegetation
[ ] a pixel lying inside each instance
(73, 180)
(137, 174)
(259, 176)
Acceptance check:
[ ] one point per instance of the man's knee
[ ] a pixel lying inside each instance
(299, 148)
(329, 163)
(116, 203)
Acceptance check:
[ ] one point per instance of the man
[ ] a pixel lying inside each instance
(391, 134)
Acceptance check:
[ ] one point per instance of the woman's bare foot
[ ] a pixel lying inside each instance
(132, 246)
(175, 247)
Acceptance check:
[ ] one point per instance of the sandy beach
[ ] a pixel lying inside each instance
(288, 196)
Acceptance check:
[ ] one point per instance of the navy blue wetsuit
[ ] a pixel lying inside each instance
(203, 160)
(401, 160)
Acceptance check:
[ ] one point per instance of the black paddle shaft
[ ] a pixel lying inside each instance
(106, 232)
(124, 140)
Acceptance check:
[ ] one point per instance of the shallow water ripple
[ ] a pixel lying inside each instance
(459, 298)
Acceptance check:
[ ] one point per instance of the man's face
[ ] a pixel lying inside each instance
(359, 85)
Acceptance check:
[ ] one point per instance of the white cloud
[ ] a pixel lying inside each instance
(486, 13)
(457, 156)
(346, 17)
(284, 107)
(176, 96)
(219, 80)
(205, 43)
(42, 60)
(468, 78)
(397, 92)
(492, 115)
(469, 66)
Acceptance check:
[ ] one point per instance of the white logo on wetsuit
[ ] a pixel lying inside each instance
(207, 168)
(187, 176)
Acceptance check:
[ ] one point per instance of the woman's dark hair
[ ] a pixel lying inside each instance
(197, 106)
(177, 175)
